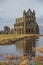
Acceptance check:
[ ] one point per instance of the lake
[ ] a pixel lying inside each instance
(21, 47)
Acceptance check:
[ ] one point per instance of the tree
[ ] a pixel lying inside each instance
(1, 32)
(6, 30)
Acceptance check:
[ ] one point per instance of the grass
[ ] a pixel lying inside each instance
(4, 36)
(9, 36)
(37, 63)
(13, 64)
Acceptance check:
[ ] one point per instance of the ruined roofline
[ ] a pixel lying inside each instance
(19, 18)
(27, 23)
(28, 12)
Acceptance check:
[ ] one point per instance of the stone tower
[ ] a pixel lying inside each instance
(26, 24)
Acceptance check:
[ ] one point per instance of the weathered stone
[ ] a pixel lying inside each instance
(26, 24)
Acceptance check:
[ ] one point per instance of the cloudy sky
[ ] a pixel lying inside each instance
(11, 9)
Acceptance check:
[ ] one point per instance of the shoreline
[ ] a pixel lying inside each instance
(11, 38)
(37, 60)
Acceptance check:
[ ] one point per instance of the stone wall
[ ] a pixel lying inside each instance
(26, 24)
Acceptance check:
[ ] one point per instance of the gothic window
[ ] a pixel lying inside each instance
(29, 12)
(31, 19)
(29, 22)
(19, 31)
(26, 30)
(29, 30)
(32, 30)
(36, 29)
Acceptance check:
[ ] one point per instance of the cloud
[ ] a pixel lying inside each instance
(16, 7)
(40, 0)
(40, 25)
(1, 1)
(11, 9)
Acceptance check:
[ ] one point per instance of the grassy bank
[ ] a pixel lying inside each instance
(6, 36)
(9, 38)
(37, 63)
(3, 63)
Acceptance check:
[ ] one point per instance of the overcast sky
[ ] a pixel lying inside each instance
(11, 9)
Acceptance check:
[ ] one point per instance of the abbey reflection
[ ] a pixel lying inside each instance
(26, 45)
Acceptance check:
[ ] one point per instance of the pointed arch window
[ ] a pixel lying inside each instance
(29, 12)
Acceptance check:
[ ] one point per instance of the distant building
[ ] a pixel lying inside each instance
(26, 24)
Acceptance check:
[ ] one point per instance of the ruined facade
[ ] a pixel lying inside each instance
(26, 24)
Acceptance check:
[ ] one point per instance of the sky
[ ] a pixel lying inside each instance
(12, 9)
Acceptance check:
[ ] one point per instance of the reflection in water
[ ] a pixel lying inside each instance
(21, 47)
(26, 46)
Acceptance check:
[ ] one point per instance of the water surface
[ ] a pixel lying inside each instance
(22, 47)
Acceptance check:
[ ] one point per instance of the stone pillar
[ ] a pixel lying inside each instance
(24, 26)
(16, 30)
(21, 30)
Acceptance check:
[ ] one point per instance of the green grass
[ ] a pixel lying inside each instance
(39, 63)
(17, 35)
(5, 37)
(28, 64)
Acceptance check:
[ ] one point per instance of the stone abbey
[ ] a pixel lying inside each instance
(26, 24)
